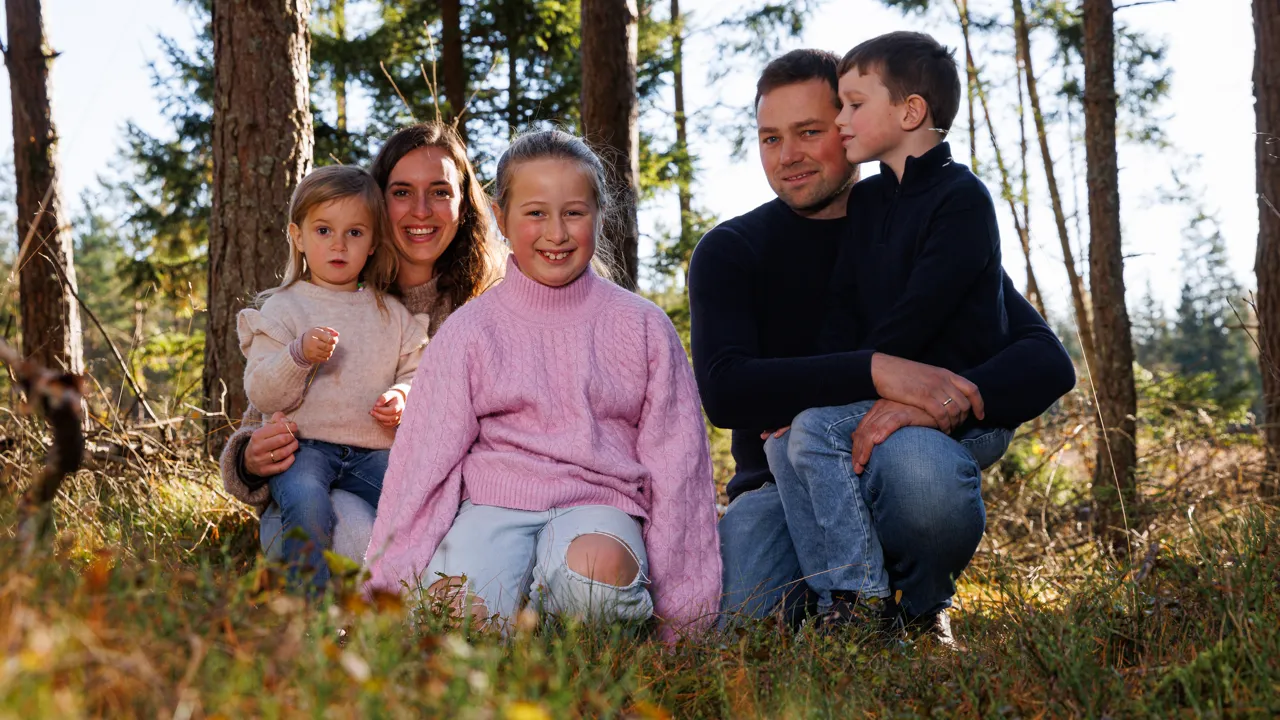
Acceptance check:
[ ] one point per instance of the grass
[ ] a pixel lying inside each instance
(152, 602)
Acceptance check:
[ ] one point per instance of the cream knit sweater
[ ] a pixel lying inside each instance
(331, 401)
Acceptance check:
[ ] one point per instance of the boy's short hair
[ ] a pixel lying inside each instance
(800, 66)
(911, 63)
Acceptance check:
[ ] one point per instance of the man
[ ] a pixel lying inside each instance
(758, 289)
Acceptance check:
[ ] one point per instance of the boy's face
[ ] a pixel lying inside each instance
(800, 146)
(870, 123)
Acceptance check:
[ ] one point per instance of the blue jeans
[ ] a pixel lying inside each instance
(352, 527)
(303, 494)
(513, 556)
(910, 522)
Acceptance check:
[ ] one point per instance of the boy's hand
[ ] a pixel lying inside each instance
(884, 419)
(318, 344)
(944, 395)
(776, 433)
(388, 409)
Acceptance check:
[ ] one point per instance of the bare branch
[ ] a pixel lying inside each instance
(1141, 2)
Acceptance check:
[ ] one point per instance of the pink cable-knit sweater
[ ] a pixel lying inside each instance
(531, 397)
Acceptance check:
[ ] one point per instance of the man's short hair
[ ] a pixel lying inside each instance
(911, 63)
(799, 66)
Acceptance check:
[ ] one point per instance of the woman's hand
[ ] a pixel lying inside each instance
(271, 447)
(884, 419)
(318, 344)
(944, 395)
(388, 408)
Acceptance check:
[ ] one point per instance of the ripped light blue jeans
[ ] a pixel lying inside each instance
(915, 512)
(513, 556)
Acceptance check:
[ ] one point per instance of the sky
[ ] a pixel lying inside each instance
(101, 80)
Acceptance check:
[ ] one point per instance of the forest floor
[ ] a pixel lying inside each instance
(152, 601)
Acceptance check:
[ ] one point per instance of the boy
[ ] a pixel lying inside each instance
(924, 264)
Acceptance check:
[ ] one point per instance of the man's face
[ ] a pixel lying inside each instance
(800, 146)
(870, 123)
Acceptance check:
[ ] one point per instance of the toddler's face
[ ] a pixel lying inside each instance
(870, 123)
(337, 239)
(550, 220)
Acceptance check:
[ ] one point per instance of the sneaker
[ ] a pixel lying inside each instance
(936, 626)
(847, 609)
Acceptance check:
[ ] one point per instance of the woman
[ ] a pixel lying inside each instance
(439, 219)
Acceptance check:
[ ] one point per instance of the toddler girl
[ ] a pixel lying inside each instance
(555, 452)
(332, 348)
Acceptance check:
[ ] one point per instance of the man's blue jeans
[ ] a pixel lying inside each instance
(303, 494)
(910, 522)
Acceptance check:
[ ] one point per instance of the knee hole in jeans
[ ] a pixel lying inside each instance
(455, 594)
(603, 559)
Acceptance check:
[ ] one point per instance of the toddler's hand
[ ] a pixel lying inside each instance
(388, 409)
(318, 344)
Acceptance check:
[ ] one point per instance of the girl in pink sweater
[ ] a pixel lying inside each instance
(554, 451)
(346, 397)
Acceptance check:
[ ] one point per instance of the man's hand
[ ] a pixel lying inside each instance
(318, 344)
(388, 408)
(884, 419)
(944, 395)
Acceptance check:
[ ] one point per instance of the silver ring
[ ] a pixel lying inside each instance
(948, 402)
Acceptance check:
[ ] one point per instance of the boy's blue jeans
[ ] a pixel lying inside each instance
(303, 494)
(910, 522)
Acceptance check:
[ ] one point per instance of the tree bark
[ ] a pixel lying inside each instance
(262, 146)
(1024, 198)
(454, 72)
(1266, 93)
(340, 72)
(1077, 286)
(971, 71)
(684, 175)
(610, 111)
(50, 314)
(1114, 482)
(514, 28)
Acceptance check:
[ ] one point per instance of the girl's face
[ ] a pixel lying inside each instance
(424, 202)
(550, 220)
(337, 238)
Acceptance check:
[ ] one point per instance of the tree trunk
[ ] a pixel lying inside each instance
(1024, 198)
(50, 314)
(454, 71)
(962, 7)
(610, 112)
(514, 27)
(1266, 93)
(1006, 185)
(1113, 374)
(684, 175)
(340, 72)
(1077, 287)
(262, 146)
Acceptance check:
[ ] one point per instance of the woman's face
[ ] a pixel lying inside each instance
(424, 202)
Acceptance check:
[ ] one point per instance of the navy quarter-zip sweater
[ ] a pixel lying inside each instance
(758, 295)
(920, 277)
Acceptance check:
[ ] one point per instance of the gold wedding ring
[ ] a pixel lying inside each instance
(272, 453)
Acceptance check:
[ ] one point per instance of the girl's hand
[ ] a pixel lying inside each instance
(318, 344)
(388, 409)
(271, 447)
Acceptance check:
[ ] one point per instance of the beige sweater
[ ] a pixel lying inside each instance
(330, 401)
(423, 299)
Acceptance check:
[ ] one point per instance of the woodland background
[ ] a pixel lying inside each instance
(1131, 555)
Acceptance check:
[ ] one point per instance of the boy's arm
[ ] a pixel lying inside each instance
(962, 243)
(1030, 374)
(739, 387)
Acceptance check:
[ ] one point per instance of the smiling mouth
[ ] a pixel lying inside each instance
(801, 176)
(555, 256)
(421, 234)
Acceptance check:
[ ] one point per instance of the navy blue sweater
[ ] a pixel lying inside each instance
(920, 277)
(758, 295)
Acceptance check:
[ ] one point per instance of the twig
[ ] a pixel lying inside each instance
(395, 87)
(1148, 562)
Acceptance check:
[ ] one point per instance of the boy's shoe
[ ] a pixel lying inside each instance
(936, 626)
(851, 609)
